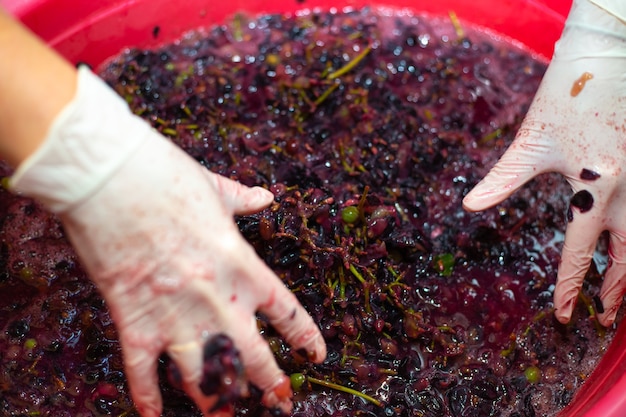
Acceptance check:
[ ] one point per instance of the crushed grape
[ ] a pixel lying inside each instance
(370, 128)
(223, 373)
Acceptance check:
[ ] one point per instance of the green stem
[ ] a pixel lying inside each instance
(325, 94)
(460, 33)
(361, 205)
(490, 136)
(346, 68)
(338, 387)
(357, 274)
(592, 313)
(342, 285)
(506, 352)
(366, 290)
(170, 132)
(127, 412)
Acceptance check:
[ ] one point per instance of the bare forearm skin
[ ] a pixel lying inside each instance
(35, 84)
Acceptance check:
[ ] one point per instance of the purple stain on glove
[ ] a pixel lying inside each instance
(589, 175)
(570, 215)
(582, 200)
(223, 372)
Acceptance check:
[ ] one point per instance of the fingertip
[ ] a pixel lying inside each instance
(279, 395)
(562, 317)
(483, 196)
(563, 312)
(607, 319)
(147, 399)
(315, 346)
(614, 285)
(143, 382)
(611, 302)
(263, 371)
(264, 196)
(471, 203)
(317, 349)
(252, 200)
(521, 162)
(576, 257)
(239, 197)
(291, 320)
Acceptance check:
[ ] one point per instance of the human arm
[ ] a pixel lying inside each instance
(153, 228)
(28, 108)
(577, 126)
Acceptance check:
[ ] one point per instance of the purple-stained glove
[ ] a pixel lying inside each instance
(576, 126)
(156, 233)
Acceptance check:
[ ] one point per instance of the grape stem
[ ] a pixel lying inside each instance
(342, 388)
(366, 289)
(346, 68)
(325, 95)
(127, 412)
(592, 313)
(457, 25)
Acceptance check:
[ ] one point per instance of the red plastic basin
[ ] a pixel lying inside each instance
(93, 31)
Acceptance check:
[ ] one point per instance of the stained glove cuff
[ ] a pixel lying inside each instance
(87, 143)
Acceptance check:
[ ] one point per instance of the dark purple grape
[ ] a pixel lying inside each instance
(582, 200)
(18, 329)
(458, 399)
(410, 367)
(485, 389)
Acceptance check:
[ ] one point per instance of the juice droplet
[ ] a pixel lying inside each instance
(579, 84)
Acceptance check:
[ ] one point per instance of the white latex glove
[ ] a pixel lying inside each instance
(155, 231)
(576, 126)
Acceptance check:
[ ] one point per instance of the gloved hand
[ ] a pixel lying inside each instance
(576, 126)
(155, 231)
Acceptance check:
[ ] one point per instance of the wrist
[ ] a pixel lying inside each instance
(616, 8)
(601, 17)
(88, 141)
(593, 41)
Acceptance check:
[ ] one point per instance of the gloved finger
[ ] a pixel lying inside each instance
(143, 381)
(614, 286)
(288, 317)
(261, 367)
(239, 198)
(581, 237)
(211, 373)
(529, 155)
